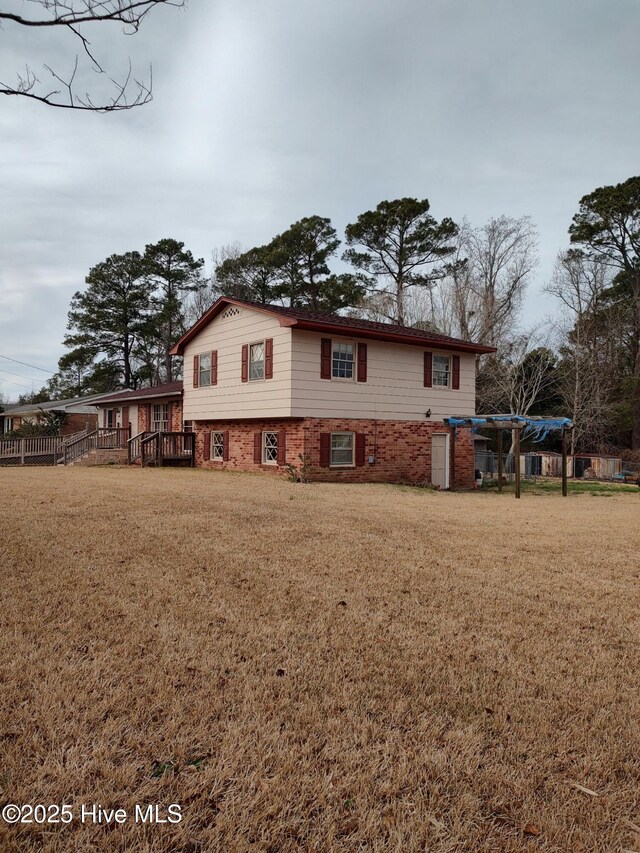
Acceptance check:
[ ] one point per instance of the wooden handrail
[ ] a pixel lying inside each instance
(81, 438)
(80, 446)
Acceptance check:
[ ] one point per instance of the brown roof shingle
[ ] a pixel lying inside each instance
(314, 321)
(167, 390)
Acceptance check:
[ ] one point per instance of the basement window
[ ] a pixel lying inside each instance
(269, 448)
(342, 449)
(217, 446)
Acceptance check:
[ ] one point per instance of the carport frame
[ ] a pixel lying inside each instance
(516, 423)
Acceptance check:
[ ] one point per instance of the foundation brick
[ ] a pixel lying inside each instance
(401, 449)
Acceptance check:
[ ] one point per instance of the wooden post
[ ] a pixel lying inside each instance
(500, 460)
(564, 462)
(516, 458)
(22, 440)
(452, 472)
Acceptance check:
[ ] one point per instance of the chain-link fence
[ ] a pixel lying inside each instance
(538, 465)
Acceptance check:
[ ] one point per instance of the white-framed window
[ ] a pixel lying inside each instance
(8, 424)
(441, 370)
(217, 446)
(342, 360)
(160, 417)
(204, 369)
(187, 426)
(256, 361)
(269, 448)
(110, 420)
(342, 449)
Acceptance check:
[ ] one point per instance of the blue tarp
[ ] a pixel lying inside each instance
(536, 428)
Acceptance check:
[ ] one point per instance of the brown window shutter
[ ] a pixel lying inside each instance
(282, 447)
(257, 448)
(268, 358)
(428, 369)
(325, 358)
(362, 362)
(225, 446)
(361, 441)
(214, 367)
(455, 372)
(104, 419)
(125, 417)
(148, 410)
(196, 370)
(169, 413)
(245, 362)
(325, 449)
(206, 450)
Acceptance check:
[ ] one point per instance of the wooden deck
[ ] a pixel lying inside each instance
(162, 448)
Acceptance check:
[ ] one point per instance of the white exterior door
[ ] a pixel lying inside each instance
(440, 460)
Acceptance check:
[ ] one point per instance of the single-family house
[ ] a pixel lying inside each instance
(359, 400)
(73, 415)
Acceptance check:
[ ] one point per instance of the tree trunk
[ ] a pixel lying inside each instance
(635, 403)
(168, 361)
(399, 302)
(635, 391)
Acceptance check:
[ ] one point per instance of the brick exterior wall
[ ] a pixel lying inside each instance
(241, 438)
(402, 449)
(76, 423)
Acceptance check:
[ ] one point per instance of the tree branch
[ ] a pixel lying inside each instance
(70, 14)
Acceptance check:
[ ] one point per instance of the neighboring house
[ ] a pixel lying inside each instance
(363, 401)
(75, 415)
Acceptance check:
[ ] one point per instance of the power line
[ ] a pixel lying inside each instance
(19, 375)
(26, 364)
(19, 384)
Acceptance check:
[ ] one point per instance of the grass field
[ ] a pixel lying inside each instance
(318, 668)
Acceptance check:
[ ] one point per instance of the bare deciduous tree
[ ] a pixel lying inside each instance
(519, 377)
(481, 298)
(75, 17)
(586, 330)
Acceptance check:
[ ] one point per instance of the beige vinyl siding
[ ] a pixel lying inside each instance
(232, 398)
(394, 389)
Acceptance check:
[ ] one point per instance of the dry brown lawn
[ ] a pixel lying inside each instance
(324, 667)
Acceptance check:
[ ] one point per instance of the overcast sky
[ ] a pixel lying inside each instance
(265, 111)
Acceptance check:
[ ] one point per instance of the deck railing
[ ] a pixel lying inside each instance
(150, 448)
(177, 446)
(80, 446)
(133, 448)
(113, 438)
(42, 450)
(156, 448)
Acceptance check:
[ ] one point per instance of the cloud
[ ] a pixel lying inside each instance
(266, 112)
